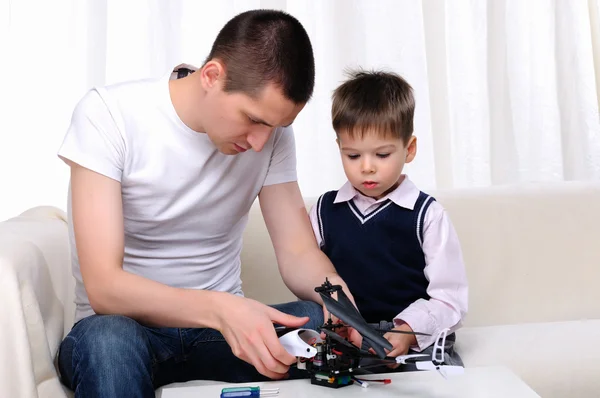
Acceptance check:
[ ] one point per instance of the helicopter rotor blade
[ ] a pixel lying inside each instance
(376, 347)
(345, 301)
(354, 320)
(344, 342)
(402, 332)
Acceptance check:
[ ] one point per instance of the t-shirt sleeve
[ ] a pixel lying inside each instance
(93, 139)
(282, 167)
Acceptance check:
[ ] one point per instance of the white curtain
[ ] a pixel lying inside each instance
(507, 90)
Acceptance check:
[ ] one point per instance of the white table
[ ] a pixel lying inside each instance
(488, 382)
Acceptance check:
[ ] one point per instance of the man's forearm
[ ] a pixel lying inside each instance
(153, 303)
(303, 273)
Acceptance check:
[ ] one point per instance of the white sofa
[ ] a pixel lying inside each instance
(533, 261)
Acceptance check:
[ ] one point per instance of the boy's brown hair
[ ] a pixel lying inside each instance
(374, 102)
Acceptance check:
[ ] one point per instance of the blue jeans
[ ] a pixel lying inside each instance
(115, 356)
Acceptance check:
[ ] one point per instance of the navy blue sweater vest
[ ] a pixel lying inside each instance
(378, 255)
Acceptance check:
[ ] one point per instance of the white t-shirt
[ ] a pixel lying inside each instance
(185, 204)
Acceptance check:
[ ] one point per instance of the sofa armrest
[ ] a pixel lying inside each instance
(34, 283)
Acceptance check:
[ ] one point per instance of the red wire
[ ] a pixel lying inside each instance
(384, 381)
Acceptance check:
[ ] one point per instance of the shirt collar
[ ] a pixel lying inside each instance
(405, 195)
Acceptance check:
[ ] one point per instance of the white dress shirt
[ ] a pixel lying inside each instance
(444, 266)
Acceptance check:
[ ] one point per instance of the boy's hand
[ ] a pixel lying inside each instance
(401, 342)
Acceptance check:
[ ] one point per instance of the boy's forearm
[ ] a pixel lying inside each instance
(155, 304)
(428, 316)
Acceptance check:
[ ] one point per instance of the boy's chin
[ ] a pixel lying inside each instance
(372, 193)
(376, 193)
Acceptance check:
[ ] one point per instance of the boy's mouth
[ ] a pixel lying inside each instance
(370, 184)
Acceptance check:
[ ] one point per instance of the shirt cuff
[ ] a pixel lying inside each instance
(419, 322)
(89, 163)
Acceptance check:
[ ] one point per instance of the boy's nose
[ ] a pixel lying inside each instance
(367, 166)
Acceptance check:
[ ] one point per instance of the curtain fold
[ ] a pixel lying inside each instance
(507, 91)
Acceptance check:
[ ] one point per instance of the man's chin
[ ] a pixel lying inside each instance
(228, 150)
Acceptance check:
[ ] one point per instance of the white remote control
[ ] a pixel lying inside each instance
(299, 342)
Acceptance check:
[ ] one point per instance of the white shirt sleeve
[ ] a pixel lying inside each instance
(448, 287)
(93, 139)
(282, 167)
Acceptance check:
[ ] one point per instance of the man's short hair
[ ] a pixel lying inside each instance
(259, 47)
(374, 102)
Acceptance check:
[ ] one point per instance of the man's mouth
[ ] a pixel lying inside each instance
(369, 184)
(239, 148)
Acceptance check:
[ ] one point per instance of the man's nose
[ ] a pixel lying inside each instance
(258, 138)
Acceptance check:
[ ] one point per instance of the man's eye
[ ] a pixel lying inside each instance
(353, 156)
(383, 155)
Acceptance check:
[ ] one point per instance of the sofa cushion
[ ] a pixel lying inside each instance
(556, 359)
(524, 246)
(34, 284)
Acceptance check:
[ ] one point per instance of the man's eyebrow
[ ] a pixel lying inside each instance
(259, 120)
(270, 125)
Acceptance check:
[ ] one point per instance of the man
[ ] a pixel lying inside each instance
(163, 173)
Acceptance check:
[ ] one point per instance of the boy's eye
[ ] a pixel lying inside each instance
(353, 156)
(252, 120)
(383, 155)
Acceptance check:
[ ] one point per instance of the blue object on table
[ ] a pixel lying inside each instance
(234, 392)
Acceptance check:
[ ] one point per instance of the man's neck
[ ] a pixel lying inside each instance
(186, 99)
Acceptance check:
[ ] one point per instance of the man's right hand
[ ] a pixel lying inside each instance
(247, 326)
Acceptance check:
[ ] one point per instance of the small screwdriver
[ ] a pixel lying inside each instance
(232, 392)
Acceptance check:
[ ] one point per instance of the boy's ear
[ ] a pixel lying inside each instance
(411, 149)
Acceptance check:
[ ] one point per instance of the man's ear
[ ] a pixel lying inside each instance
(212, 74)
(411, 149)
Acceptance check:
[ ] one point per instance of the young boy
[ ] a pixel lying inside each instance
(392, 244)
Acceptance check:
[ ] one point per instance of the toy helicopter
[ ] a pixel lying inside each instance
(334, 361)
